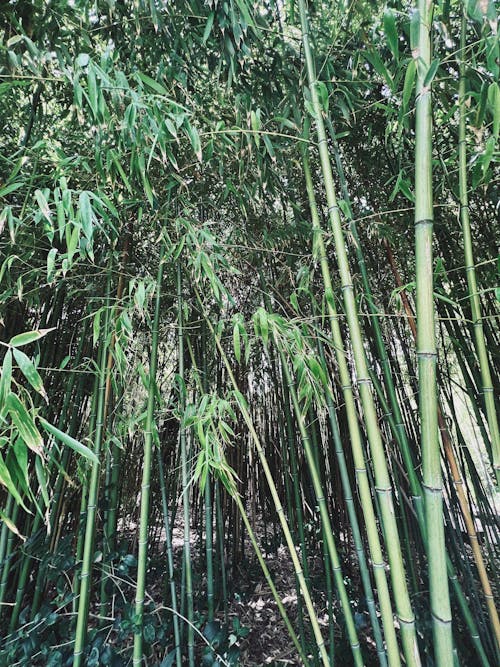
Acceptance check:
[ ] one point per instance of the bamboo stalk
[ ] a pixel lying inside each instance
(475, 302)
(142, 558)
(354, 432)
(93, 494)
(276, 500)
(382, 479)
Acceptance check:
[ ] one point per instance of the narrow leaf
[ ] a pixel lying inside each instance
(69, 441)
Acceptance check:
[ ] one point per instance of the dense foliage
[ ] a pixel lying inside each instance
(249, 326)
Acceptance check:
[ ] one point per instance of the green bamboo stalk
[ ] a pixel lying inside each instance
(6, 562)
(325, 517)
(82, 515)
(219, 529)
(5, 531)
(398, 425)
(462, 601)
(93, 495)
(170, 561)
(382, 478)
(209, 549)
(297, 518)
(475, 302)
(241, 508)
(353, 520)
(142, 558)
(185, 474)
(426, 347)
(270, 581)
(276, 500)
(354, 432)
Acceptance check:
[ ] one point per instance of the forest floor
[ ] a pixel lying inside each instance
(252, 607)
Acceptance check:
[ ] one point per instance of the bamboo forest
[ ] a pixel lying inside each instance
(249, 333)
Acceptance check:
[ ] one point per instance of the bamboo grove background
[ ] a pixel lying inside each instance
(249, 322)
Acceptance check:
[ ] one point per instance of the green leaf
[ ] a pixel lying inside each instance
(24, 423)
(154, 85)
(42, 481)
(5, 379)
(408, 84)
(391, 32)
(255, 124)
(11, 526)
(86, 215)
(43, 205)
(92, 89)
(149, 633)
(96, 327)
(322, 91)
(194, 138)
(269, 147)
(69, 441)
(21, 454)
(9, 188)
(431, 72)
(29, 337)
(29, 371)
(51, 263)
(237, 342)
(208, 27)
(6, 480)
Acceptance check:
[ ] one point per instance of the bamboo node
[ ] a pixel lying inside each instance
(427, 355)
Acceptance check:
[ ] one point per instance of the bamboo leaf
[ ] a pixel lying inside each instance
(24, 423)
(208, 27)
(431, 72)
(43, 205)
(92, 89)
(391, 32)
(86, 215)
(237, 342)
(29, 371)
(408, 84)
(51, 262)
(67, 440)
(42, 481)
(269, 147)
(6, 480)
(29, 337)
(5, 380)
(153, 84)
(194, 138)
(11, 525)
(9, 188)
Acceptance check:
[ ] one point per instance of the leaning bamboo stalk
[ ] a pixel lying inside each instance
(354, 431)
(475, 302)
(241, 508)
(276, 500)
(382, 478)
(325, 517)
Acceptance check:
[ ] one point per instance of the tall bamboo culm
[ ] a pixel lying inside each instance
(475, 301)
(382, 478)
(93, 495)
(426, 346)
(142, 558)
